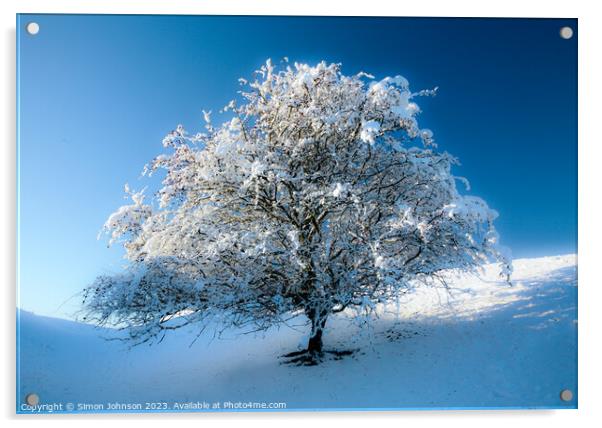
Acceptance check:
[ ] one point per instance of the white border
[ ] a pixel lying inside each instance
(590, 180)
(516, 8)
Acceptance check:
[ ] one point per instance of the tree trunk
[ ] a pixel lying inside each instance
(318, 321)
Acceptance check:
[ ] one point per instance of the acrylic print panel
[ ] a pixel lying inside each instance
(222, 213)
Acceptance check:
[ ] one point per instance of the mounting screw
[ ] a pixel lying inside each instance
(33, 28)
(32, 399)
(566, 395)
(566, 32)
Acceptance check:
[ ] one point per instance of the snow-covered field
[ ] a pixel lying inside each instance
(483, 344)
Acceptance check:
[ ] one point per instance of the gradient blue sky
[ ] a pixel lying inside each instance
(98, 93)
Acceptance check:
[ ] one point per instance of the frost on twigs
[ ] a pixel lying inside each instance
(320, 194)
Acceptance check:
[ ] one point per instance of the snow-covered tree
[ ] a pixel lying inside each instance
(321, 194)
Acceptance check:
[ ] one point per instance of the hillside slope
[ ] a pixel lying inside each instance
(482, 344)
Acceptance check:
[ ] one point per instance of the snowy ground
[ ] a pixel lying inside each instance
(485, 344)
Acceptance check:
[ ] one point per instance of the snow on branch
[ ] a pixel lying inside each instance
(321, 193)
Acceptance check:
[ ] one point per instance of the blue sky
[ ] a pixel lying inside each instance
(98, 93)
